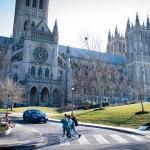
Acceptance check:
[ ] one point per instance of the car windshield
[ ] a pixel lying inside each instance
(36, 112)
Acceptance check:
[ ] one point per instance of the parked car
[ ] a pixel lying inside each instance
(35, 115)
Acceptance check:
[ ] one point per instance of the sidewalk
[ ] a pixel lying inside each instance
(21, 135)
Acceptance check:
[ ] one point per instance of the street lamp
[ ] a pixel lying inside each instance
(72, 98)
(12, 100)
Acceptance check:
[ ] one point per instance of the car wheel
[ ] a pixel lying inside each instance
(27, 119)
(45, 121)
(24, 119)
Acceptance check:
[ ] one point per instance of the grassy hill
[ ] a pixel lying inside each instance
(122, 116)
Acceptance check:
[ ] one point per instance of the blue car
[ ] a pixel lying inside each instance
(34, 115)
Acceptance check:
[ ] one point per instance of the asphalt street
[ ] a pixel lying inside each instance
(45, 136)
(92, 138)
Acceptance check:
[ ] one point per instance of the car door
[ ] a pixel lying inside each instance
(28, 115)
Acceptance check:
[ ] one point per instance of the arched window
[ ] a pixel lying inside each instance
(25, 25)
(47, 72)
(34, 4)
(33, 71)
(32, 25)
(15, 78)
(145, 38)
(27, 2)
(40, 72)
(41, 4)
(42, 29)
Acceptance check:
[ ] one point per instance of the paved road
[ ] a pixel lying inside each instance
(91, 139)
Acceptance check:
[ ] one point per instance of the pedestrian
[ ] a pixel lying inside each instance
(65, 124)
(69, 127)
(8, 102)
(74, 124)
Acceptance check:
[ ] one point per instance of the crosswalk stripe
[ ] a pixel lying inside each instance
(101, 139)
(137, 138)
(118, 138)
(64, 141)
(83, 141)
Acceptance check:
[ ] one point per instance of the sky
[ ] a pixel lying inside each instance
(75, 16)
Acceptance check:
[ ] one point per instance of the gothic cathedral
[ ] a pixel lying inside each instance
(44, 68)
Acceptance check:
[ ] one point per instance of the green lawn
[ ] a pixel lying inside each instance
(122, 116)
(52, 111)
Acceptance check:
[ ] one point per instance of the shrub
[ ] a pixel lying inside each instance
(68, 108)
(87, 104)
(3, 127)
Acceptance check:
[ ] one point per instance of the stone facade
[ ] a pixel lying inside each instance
(33, 53)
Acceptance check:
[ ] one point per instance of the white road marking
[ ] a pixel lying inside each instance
(137, 138)
(101, 139)
(119, 139)
(83, 141)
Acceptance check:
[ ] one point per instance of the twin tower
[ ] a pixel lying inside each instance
(137, 38)
(135, 48)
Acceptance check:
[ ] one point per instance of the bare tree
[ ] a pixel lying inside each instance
(122, 87)
(138, 84)
(8, 87)
(90, 76)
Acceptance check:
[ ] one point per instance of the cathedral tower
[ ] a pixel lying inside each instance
(116, 43)
(138, 52)
(32, 11)
(34, 58)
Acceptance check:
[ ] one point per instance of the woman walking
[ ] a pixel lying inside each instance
(75, 123)
(69, 127)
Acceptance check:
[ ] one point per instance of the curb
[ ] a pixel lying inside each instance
(5, 133)
(124, 130)
(28, 143)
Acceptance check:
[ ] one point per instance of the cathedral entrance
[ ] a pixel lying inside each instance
(56, 98)
(33, 96)
(44, 97)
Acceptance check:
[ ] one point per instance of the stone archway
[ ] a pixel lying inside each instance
(33, 96)
(56, 98)
(44, 96)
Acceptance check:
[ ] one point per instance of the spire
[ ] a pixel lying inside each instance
(128, 25)
(147, 23)
(137, 22)
(132, 25)
(55, 29)
(116, 31)
(68, 52)
(143, 25)
(109, 36)
(55, 32)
